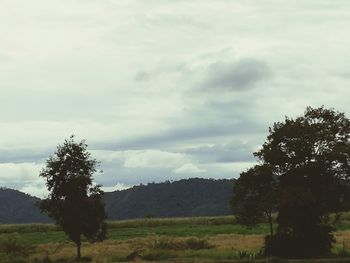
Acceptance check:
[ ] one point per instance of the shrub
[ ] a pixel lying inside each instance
(309, 244)
(134, 255)
(198, 243)
(342, 252)
(14, 247)
(191, 243)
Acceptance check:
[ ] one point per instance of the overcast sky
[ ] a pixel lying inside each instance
(162, 90)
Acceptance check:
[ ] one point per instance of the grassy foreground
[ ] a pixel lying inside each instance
(204, 239)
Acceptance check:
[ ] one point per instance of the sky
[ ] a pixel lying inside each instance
(162, 90)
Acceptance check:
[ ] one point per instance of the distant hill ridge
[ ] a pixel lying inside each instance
(187, 197)
(18, 207)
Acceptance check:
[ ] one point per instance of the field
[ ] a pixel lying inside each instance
(204, 239)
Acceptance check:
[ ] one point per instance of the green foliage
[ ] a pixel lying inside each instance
(14, 250)
(255, 196)
(74, 202)
(304, 175)
(342, 252)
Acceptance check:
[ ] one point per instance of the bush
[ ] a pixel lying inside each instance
(139, 254)
(197, 244)
(300, 245)
(191, 243)
(343, 251)
(13, 246)
(4, 258)
(134, 255)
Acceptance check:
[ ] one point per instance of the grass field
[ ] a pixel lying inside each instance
(201, 239)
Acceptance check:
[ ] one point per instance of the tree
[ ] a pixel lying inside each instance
(74, 202)
(255, 196)
(310, 160)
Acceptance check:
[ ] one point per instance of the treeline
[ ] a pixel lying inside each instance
(187, 197)
(183, 198)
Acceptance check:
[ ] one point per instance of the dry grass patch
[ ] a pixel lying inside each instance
(237, 242)
(223, 247)
(343, 237)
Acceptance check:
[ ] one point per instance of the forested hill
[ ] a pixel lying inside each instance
(18, 207)
(190, 197)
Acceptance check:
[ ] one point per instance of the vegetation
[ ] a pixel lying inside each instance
(18, 207)
(255, 196)
(74, 202)
(308, 159)
(187, 239)
(294, 197)
(190, 197)
(183, 198)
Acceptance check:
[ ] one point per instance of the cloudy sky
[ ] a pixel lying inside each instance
(162, 90)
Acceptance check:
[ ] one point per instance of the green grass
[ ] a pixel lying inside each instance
(172, 227)
(42, 237)
(185, 231)
(28, 228)
(155, 222)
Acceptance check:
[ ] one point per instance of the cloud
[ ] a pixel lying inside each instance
(19, 172)
(188, 168)
(152, 158)
(36, 188)
(142, 76)
(117, 187)
(155, 85)
(227, 152)
(236, 76)
(193, 132)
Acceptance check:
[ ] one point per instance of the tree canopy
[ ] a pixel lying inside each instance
(309, 159)
(74, 201)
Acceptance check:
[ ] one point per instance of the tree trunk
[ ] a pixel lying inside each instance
(270, 222)
(78, 258)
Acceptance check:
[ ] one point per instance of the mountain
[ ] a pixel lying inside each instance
(187, 197)
(17, 207)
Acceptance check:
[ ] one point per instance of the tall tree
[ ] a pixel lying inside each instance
(74, 201)
(310, 160)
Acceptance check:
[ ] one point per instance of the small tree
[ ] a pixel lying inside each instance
(74, 202)
(255, 196)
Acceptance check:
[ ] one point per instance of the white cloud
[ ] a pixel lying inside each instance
(19, 172)
(69, 67)
(188, 168)
(153, 158)
(37, 189)
(117, 187)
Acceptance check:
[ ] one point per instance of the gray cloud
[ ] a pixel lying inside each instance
(203, 79)
(233, 151)
(238, 76)
(142, 76)
(23, 155)
(193, 133)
